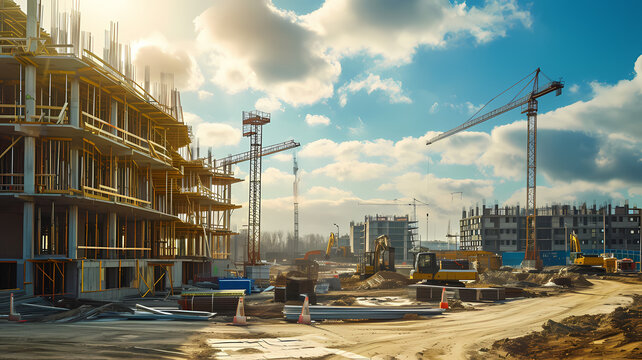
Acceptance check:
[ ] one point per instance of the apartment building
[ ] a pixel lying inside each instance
(503, 228)
(400, 230)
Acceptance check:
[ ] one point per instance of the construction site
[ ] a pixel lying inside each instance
(118, 239)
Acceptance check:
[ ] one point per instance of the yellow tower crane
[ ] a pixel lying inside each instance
(528, 104)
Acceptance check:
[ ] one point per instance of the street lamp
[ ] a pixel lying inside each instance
(337, 234)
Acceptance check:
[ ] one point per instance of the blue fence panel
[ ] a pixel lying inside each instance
(512, 258)
(557, 258)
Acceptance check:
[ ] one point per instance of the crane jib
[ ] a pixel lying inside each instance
(550, 87)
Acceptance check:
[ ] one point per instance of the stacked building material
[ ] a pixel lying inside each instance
(223, 302)
(318, 313)
(279, 294)
(433, 293)
(295, 288)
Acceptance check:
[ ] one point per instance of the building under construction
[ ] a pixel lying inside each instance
(101, 193)
(500, 229)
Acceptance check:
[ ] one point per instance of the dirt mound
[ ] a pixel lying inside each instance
(383, 280)
(343, 301)
(613, 335)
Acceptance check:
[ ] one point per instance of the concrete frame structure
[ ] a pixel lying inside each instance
(398, 228)
(99, 173)
(503, 229)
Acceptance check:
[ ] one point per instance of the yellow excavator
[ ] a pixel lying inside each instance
(381, 259)
(585, 263)
(429, 271)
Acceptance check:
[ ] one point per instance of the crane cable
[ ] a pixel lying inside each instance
(500, 94)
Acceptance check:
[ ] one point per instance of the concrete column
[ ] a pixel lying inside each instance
(113, 233)
(73, 232)
(73, 154)
(114, 115)
(74, 104)
(27, 245)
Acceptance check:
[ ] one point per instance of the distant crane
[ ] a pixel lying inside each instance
(253, 122)
(295, 191)
(528, 104)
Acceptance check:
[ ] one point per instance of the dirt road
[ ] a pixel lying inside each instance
(454, 335)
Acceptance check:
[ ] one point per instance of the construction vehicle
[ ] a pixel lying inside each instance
(584, 263)
(381, 259)
(430, 271)
(626, 265)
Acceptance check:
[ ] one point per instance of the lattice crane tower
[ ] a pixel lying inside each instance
(253, 122)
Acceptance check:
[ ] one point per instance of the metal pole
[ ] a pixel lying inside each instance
(337, 234)
(604, 228)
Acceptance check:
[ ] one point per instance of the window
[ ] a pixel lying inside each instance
(514, 231)
(507, 219)
(514, 242)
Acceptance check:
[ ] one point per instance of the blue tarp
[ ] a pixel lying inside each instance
(236, 284)
(555, 258)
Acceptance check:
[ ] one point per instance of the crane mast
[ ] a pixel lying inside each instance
(529, 107)
(295, 186)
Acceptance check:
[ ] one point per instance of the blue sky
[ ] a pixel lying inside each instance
(362, 85)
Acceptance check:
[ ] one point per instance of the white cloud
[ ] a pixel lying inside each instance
(212, 134)
(268, 104)
(204, 94)
(282, 156)
(359, 129)
(163, 57)
(573, 89)
(322, 192)
(253, 45)
(314, 120)
(390, 87)
(393, 30)
(352, 170)
(276, 176)
(434, 107)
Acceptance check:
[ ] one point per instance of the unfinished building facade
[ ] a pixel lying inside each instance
(100, 192)
(500, 229)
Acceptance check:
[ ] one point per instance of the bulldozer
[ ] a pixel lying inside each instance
(430, 271)
(381, 259)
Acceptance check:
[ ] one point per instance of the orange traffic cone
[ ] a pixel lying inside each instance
(13, 316)
(240, 318)
(444, 301)
(305, 318)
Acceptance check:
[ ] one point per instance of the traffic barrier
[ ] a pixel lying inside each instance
(444, 301)
(13, 316)
(240, 318)
(305, 317)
